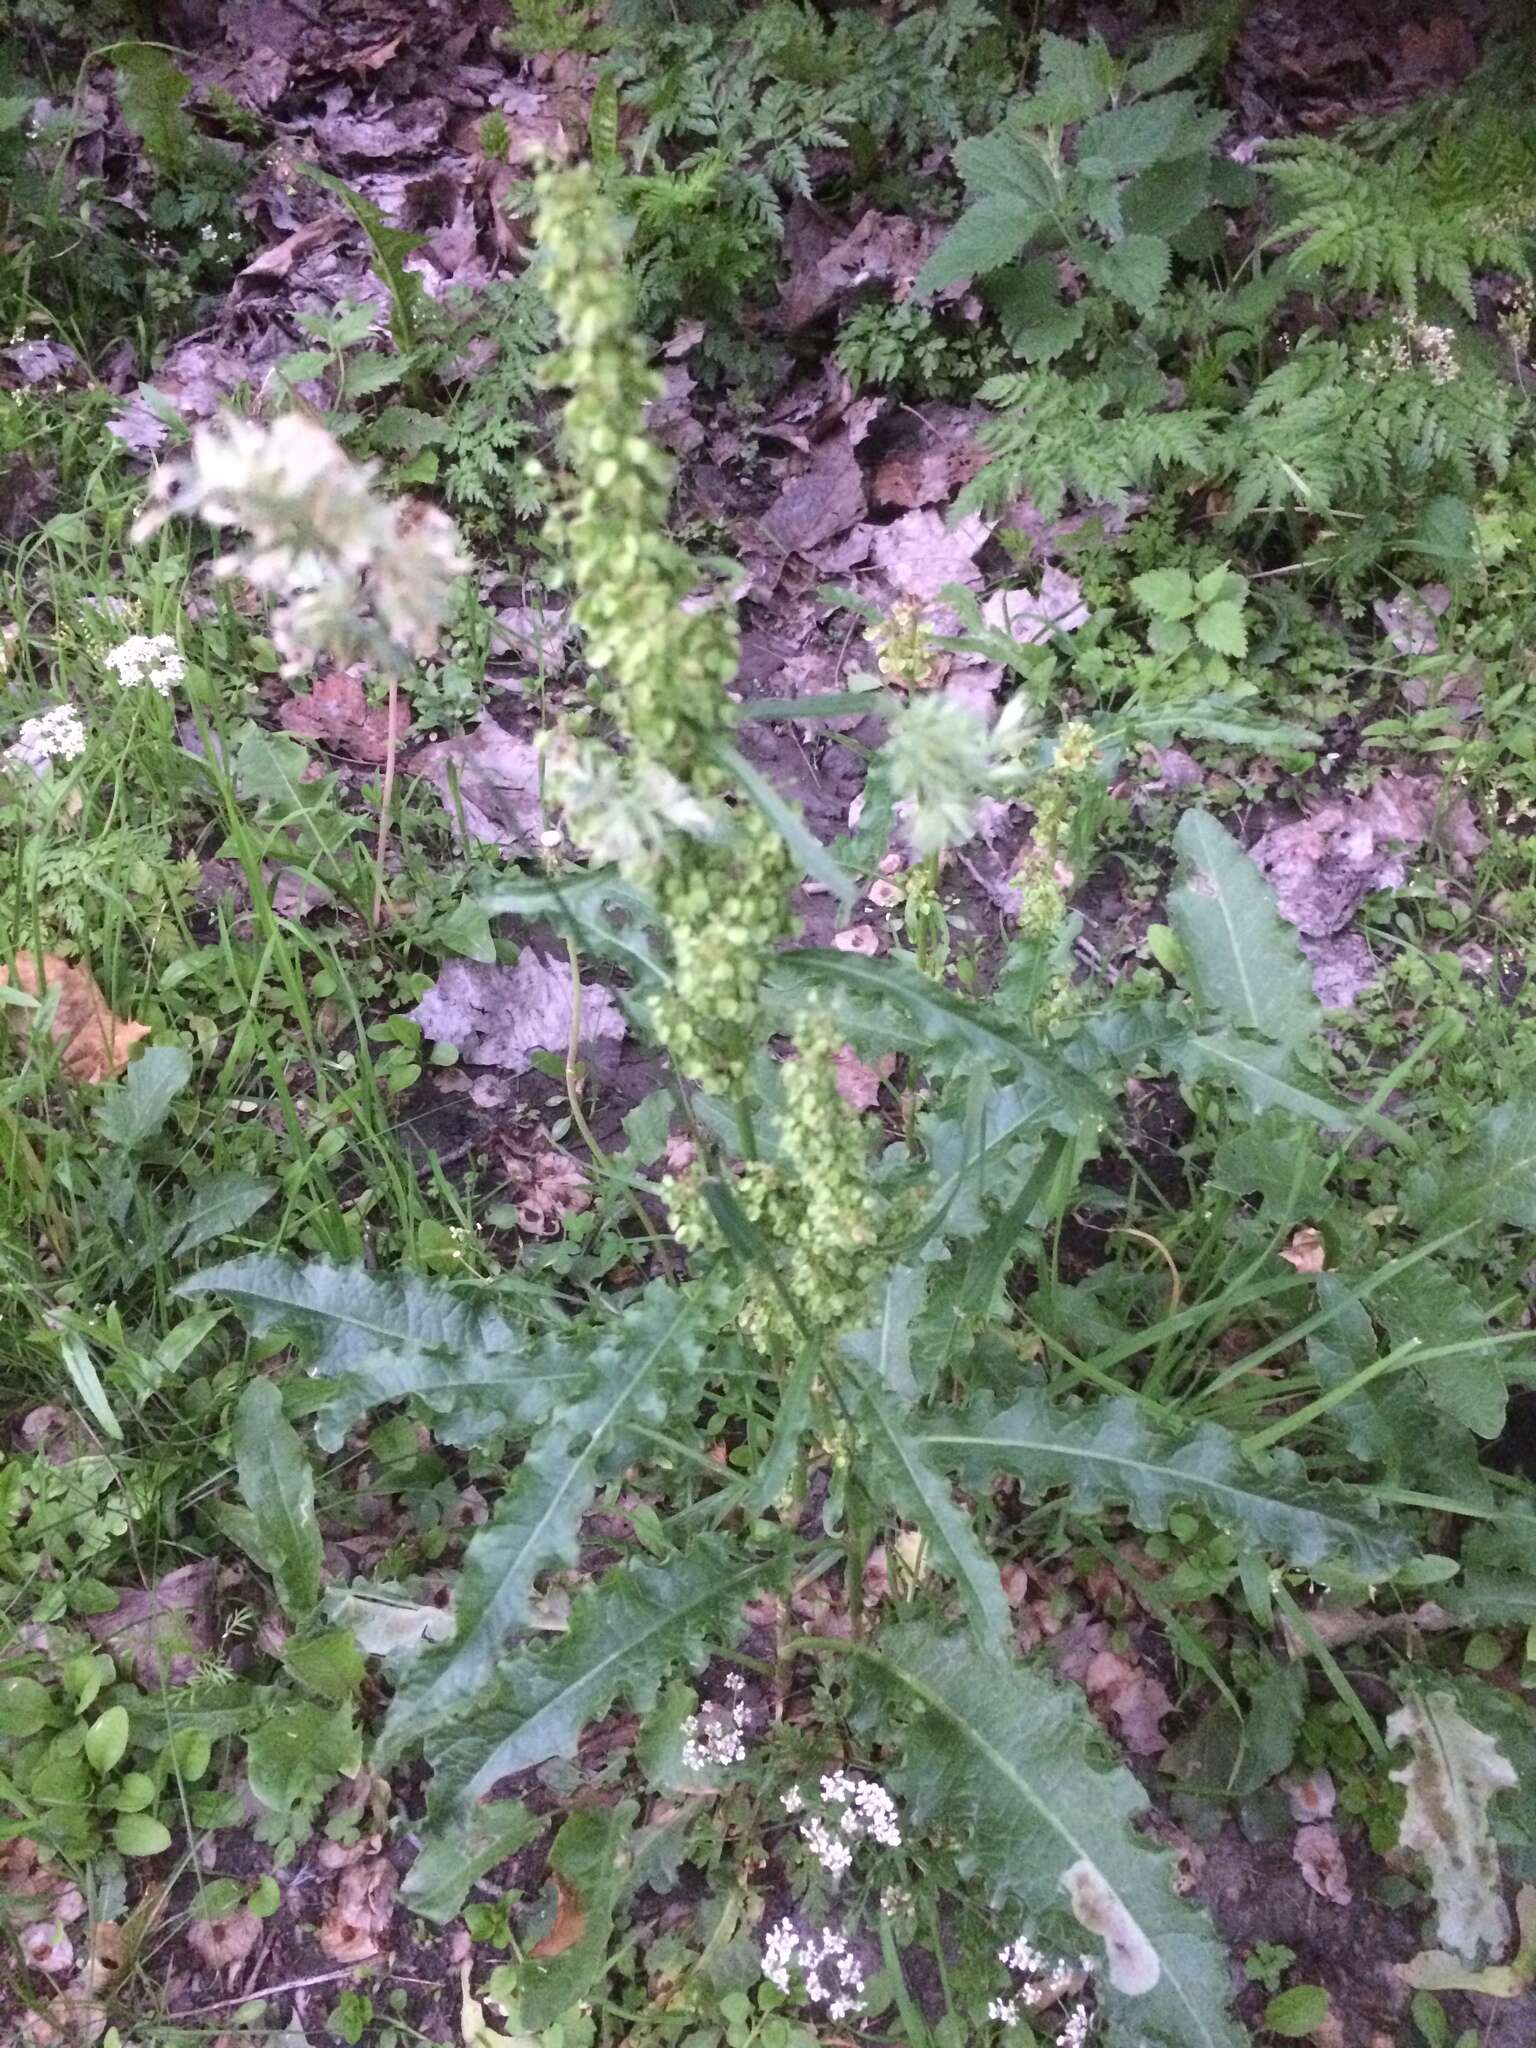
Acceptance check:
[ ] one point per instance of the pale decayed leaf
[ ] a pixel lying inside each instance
(1110, 1451)
(1004, 1758)
(1453, 1773)
(499, 1016)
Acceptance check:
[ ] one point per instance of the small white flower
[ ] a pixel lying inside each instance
(1021, 1955)
(792, 1800)
(1075, 2033)
(151, 660)
(830, 1851)
(1005, 2011)
(820, 1957)
(54, 735)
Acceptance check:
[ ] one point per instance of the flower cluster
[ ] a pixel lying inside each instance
(147, 660)
(1042, 875)
(939, 756)
(905, 649)
(668, 649)
(814, 1202)
(354, 574)
(1047, 1981)
(855, 1810)
(54, 735)
(1413, 345)
(829, 1971)
(717, 1737)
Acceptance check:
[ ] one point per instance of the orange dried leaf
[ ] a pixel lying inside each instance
(94, 1045)
(570, 1924)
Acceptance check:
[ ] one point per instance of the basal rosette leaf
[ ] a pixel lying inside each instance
(1006, 1761)
(1111, 1452)
(627, 1633)
(907, 1477)
(656, 1343)
(343, 1313)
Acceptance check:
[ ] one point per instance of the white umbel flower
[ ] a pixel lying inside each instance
(147, 660)
(54, 735)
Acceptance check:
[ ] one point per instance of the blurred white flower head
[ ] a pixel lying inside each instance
(354, 573)
(54, 735)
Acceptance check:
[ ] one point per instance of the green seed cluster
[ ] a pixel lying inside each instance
(671, 659)
(670, 650)
(724, 908)
(815, 1204)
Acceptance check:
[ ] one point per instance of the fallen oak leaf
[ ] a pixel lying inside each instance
(93, 1044)
(569, 1925)
(336, 712)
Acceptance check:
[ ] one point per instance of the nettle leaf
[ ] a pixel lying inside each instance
(1492, 1180)
(1110, 1451)
(908, 1479)
(1453, 1773)
(1131, 138)
(1037, 322)
(1165, 593)
(1005, 1759)
(1245, 962)
(343, 1314)
(278, 1488)
(538, 1518)
(626, 1634)
(591, 1859)
(1135, 269)
(987, 235)
(1169, 58)
(1222, 628)
(1013, 166)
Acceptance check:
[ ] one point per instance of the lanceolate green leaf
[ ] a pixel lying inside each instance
(890, 1003)
(1245, 963)
(1111, 1452)
(438, 1882)
(279, 1489)
(469, 1390)
(538, 1518)
(1266, 1077)
(1492, 1181)
(1004, 1759)
(906, 1480)
(626, 1634)
(343, 1313)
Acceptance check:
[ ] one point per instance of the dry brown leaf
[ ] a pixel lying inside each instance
(1320, 1858)
(1306, 1251)
(94, 1045)
(858, 1084)
(570, 1924)
(226, 1941)
(337, 714)
(359, 1916)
